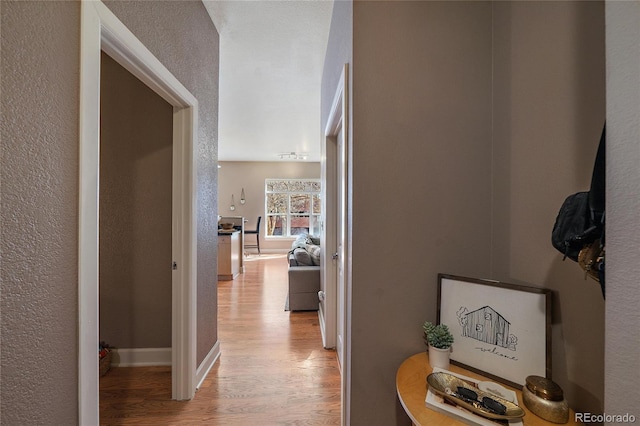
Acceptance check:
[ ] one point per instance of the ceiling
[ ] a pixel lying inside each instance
(271, 60)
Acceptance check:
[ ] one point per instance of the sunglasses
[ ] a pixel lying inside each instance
(471, 397)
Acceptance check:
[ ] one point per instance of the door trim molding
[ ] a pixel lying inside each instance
(101, 30)
(337, 122)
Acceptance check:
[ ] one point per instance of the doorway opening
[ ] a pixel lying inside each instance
(136, 143)
(102, 31)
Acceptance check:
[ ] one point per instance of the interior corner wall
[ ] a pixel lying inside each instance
(136, 151)
(549, 109)
(234, 176)
(545, 99)
(622, 353)
(182, 36)
(421, 179)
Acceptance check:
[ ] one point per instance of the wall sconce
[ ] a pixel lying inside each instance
(242, 199)
(233, 203)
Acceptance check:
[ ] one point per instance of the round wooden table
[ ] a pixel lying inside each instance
(411, 385)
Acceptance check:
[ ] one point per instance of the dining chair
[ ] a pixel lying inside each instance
(257, 234)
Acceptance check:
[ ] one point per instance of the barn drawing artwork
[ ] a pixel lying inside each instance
(488, 326)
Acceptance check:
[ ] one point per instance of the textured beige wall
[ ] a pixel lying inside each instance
(136, 141)
(39, 203)
(39, 189)
(235, 175)
(622, 353)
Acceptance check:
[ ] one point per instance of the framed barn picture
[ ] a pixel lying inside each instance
(502, 331)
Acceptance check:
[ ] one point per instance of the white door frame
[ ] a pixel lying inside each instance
(337, 123)
(102, 31)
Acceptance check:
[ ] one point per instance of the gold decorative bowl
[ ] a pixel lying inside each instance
(545, 399)
(446, 386)
(227, 226)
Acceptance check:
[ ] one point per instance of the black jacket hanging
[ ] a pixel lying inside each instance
(580, 224)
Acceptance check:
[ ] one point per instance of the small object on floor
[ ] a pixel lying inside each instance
(104, 358)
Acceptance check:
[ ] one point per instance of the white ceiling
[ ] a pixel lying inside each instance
(271, 60)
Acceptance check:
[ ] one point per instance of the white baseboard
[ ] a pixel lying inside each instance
(206, 365)
(141, 357)
(146, 357)
(322, 330)
(254, 251)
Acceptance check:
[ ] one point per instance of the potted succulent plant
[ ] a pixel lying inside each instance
(439, 340)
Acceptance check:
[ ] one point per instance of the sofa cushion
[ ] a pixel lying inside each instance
(302, 257)
(314, 254)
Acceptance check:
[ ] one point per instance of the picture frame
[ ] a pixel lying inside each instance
(501, 330)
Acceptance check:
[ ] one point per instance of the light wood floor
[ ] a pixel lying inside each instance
(273, 369)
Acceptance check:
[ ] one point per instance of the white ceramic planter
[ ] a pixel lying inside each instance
(439, 357)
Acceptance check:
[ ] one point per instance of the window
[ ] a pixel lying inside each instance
(293, 207)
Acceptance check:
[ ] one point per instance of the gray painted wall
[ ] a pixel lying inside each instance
(549, 109)
(136, 150)
(39, 192)
(486, 115)
(421, 158)
(622, 355)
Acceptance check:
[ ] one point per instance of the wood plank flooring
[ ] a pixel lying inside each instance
(273, 369)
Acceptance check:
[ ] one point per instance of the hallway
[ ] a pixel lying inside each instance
(272, 371)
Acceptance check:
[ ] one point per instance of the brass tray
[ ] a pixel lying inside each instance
(444, 384)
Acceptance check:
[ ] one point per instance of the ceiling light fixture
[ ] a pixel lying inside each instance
(293, 156)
